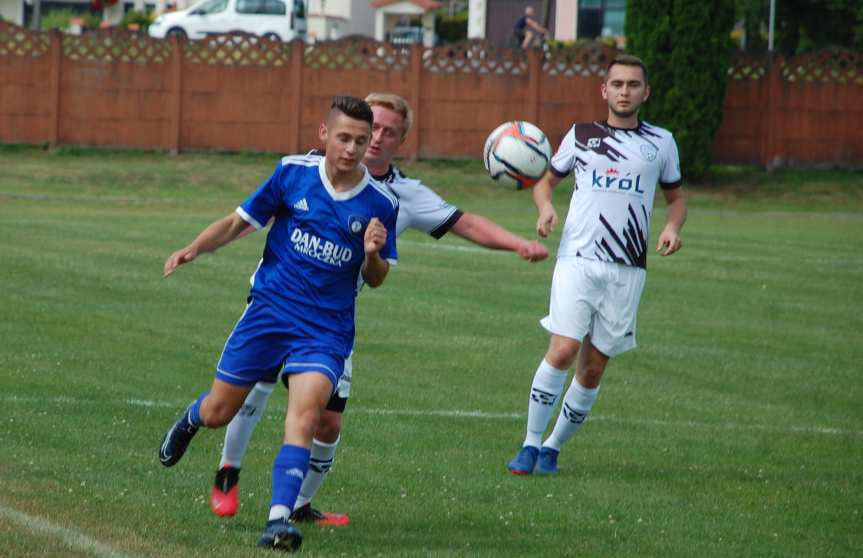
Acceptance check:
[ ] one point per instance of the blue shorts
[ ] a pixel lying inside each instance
(265, 343)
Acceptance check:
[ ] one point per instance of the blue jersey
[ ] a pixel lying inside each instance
(314, 251)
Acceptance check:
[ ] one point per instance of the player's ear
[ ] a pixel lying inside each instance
(322, 132)
(646, 92)
(604, 90)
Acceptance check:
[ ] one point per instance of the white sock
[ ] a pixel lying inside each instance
(320, 462)
(576, 405)
(278, 511)
(547, 385)
(241, 427)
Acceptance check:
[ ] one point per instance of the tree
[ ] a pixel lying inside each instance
(686, 48)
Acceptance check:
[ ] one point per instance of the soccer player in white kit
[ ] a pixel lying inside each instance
(600, 270)
(419, 208)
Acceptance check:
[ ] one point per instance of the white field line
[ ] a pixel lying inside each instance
(468, 414)
(70, 537)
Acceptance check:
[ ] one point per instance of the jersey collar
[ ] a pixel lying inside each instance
(610, 127)
(343, 196)
(387, 176)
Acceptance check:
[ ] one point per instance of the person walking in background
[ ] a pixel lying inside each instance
(527, 28)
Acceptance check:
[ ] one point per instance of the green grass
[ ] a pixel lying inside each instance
(736, 428)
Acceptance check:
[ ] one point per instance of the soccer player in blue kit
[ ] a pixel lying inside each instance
(333, 227)
(421, 209)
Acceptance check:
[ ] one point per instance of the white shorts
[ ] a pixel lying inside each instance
(598, 299)
(343, 389)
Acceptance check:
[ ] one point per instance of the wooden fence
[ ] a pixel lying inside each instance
(240, 92)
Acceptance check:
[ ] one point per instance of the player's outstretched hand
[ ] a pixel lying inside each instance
(533, 251)
(376, 236)
(546, 221)
(180, 257)
(669, 242)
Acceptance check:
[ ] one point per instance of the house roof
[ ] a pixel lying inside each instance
(424, 4)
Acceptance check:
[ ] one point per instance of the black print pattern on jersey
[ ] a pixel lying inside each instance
(633, 245)
(593, 136)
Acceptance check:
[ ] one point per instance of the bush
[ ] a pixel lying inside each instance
(142, 19)
(686, 48)
(554, 45)
(451, 29)
(59, 19)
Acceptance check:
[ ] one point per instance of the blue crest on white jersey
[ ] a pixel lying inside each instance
(649, 152)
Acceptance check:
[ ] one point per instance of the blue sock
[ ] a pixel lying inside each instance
(289, 470)
(194, 414)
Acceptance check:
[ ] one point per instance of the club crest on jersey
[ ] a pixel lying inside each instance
(356, 224)
(593, 143)
(649, 152)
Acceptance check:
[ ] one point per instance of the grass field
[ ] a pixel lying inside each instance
(736, 428)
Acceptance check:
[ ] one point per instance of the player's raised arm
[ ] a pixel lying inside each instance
(375, 268)
(216, 235)
(547, 216)
(485, 233)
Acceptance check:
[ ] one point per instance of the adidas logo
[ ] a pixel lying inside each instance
(302, 205)
(295, 471)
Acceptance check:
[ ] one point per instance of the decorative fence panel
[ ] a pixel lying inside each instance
(241, 92)
(25, 85)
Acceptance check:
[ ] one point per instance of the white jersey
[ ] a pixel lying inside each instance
(419, 206)
(616, 172)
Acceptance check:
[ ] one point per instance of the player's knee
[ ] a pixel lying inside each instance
(303, 423)
(561, 354)
(217, 415)
(329, 427)
(590, 375)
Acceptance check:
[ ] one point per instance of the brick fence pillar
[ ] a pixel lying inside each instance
(771, 155)
(416, 69)
(534, 76)
(296, 86)
(175, 99)
(54, 88)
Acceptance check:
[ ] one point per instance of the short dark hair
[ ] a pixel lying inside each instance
(353, 107)
(627, 60)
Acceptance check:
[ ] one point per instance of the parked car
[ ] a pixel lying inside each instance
(267, 18)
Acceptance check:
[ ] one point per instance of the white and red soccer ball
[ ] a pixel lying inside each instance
(517, 154)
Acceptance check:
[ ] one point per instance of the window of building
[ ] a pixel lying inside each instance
(601, 18)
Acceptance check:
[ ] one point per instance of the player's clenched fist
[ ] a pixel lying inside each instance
(376, 236)
(533, 251)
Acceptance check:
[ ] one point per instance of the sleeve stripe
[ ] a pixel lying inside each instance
(557, 173)
(671, 185)
(444, 227)
(309, 160)
(248, 218)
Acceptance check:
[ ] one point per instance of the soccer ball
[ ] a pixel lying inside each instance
(517, 154)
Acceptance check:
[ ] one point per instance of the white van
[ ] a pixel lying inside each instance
(275, 19)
